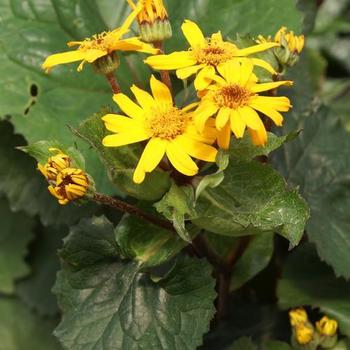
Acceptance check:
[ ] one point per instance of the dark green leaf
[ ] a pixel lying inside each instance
(308, 281)
(243, 344)
(121, 162)
(318, 161)
(276, 345)
(146, 243)
(254, 259)
(26, 188)
(15, 235)
(22, 330)
(252, 198)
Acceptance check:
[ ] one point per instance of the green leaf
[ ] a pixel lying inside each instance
(40, 105)
(308, 281)
(15, 235)
(121, 162)
(343, 344)
(146, 243)
(98, 292)
(176, 205)
(276, 345)
(20, 329)
(243, 344)
(35, 289)
(252, 198)
(26, 188)
(231, 17)
(318, 160)
(254, 259)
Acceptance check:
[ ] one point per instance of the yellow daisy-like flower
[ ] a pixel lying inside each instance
(170, 131)
(54, 164)
(71, 184)
(327, 326)
(204, 55)
(150, 11)
(100, 45)
(235, 101)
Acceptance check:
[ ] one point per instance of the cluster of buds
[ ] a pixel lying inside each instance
(290, 48)
(306, 337)
(66, 183)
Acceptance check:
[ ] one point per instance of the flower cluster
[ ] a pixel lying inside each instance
(305, 336)
(65, 182)
(230, 98)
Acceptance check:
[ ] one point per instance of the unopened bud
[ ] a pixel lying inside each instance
(54, 164)
(106, 64)
(297, 316)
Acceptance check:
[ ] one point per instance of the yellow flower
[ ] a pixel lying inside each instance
(54, 164)
(71, 184)
(170, 131)
(204, 55)
(304, 333)
(327, 326)
(297, 316)
(100, 45)
(295, 42)
(150, 11)
(234, 99)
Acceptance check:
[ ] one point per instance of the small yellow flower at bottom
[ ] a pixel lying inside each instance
(54, 164)
(170, 131)
(71, 184)
(327, 326)
(297, 316)
(304, 333)
(235, 101)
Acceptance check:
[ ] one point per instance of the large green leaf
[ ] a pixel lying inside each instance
(243, 344)
(26, 188)
(308, 281)
(318, 161)
(110, 304)
(234, 16)
(20, 329)
(15, 235)
(145, 242)
(276, 345)
(35, 289)
(252, 198)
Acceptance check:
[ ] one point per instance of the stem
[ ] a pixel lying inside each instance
(164, 74)
(224, 281)
(113, 83)
(128, 208)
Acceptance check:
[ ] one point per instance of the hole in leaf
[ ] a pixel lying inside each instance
(34, 90)
(33, 93)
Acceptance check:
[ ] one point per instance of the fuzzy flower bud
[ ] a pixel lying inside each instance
(327, 326)
(304, 334)
(154, 25)
(297, 316)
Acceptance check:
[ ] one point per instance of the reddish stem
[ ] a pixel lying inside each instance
(113, 83)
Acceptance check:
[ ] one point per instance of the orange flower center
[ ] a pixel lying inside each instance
(166, 122)
(103, 41)
(232, 96)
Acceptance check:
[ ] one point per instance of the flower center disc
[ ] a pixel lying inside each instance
(166, 122)
(232, 96)
(103, 41)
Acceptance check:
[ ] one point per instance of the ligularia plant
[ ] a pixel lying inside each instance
(179, 145)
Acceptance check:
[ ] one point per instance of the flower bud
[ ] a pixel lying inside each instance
(297, 316)
(54, 164)
(327, 328)
(106, 64)
(154, 25)
(71, 184)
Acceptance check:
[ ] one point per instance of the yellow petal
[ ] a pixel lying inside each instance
(204, 111)
(181, 161)
(160, 91)
(145, 100)
(217, 36)
(197, 149)
(279, 103)
(134, 44)
(263, 64)
(151, 157)
(175, 60)
(259, 137)
(128, 106)
(204, 77)
(270, 86)
(208, 135)
(271, 113)
(186, 72)
(61, 58)
(124, 138)
(246, 72)
(118, 123)
(231, 71)
(193, 33)
(128, 21)
(190, 106)
(222, 118)
(93, 54)
(224, 137)
(237, 124)
(256, 48)
(251, 118)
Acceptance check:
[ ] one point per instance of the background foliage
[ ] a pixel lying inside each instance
(171, 311)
